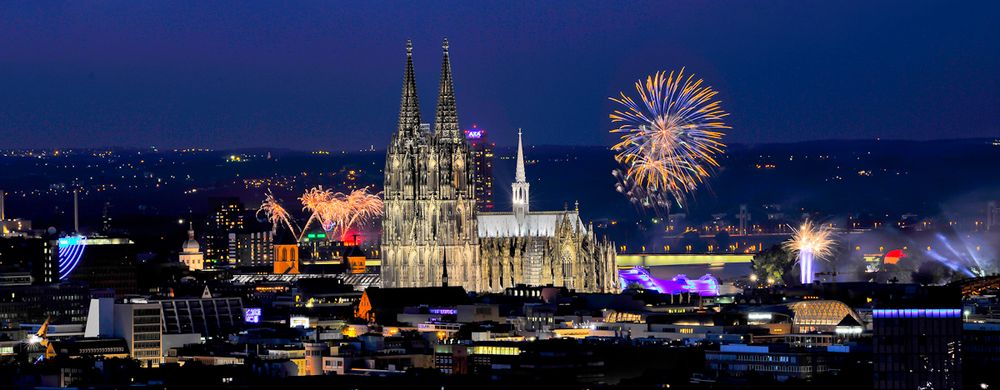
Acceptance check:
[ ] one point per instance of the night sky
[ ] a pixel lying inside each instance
(308, 75)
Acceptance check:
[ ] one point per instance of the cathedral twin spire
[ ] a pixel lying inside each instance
(446, 116)
(409, 106)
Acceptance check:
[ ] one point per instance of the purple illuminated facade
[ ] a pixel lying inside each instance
(917, 313)
(704, 286)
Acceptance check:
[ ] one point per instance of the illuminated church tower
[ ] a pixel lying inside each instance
(429, 194)
(286, 253)
(520, 187)
(191, 254)
(430, 215)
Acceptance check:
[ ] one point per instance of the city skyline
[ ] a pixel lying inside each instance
(183, 76)
(629, 195)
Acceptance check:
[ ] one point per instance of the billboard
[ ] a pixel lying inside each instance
(251, 315)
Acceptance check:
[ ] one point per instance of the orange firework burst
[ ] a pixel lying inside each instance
(361, 207)
(339, 212)
(275, 212)
(812, 238)
(669, 143)
(317, 202)
(336, 212)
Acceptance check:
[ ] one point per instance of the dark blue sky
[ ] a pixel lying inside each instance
(327, 74)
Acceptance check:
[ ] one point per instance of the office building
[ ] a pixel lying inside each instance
(137, 321)
(60, 304)
(252, 248)
(226, 217)
(30, 255)
(99, 262)
(482, 166)
(918, 341)
(779, 362)
(93, 348)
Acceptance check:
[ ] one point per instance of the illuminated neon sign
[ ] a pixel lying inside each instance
(474, 133)
(251, 315)
(70, 250)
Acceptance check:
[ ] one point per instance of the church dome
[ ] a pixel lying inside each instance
(191, 245)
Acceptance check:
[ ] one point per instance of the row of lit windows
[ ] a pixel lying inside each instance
(146, 354)
(146, 345)
(753, 358)
(494, 350)
(96, 351)
(768, 368)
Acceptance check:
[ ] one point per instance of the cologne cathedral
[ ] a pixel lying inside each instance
(432, 234)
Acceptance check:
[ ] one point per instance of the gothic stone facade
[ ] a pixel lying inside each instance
(563, 253)
(431, 222)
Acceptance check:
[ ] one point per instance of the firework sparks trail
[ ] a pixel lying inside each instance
(275, 213)
(670, 142)
(336, 212)
(317, 201)
(361, 207)
(640, 197)
(810, 241)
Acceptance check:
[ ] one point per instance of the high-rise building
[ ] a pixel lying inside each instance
(482, 166)
(918, 341)
(59, 303)
(226, 217)
(29, 255)
(100, 262)
(431, 214)
(137, 321)
(252, 248)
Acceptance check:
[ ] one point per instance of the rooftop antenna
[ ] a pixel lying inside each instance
(76, 212)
